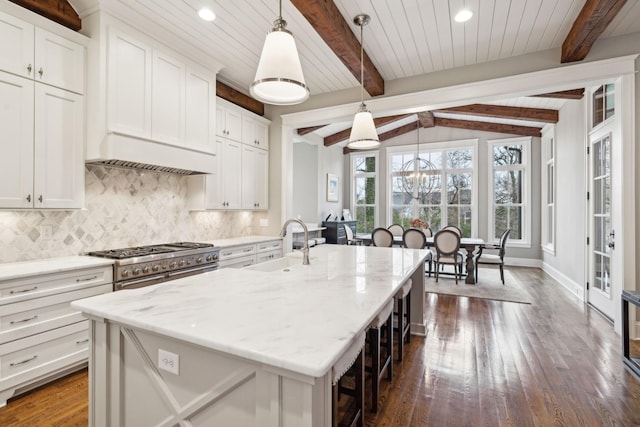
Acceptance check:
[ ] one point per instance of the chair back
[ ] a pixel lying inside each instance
(414, 239)
(348, 231)
(382, 237)
(428, 232)
(454, 229)
(447, 242)
(396, 229)
(503, 242)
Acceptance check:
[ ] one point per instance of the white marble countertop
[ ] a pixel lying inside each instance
(17, 270)
(245, 240)
(299, 318)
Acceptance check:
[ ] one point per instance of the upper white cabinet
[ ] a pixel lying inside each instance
(168, 100)
(255, 178)
(255, 131)
(228, 120)
(32, 52)
(42, 120)
(200, 108)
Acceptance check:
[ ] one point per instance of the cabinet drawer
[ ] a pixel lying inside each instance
(28, 355)
(236, 251)
(49, 284)
(269, 246)
(241, 262)
(30, 317)
(268, 256)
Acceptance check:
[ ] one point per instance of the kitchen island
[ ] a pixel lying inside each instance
(250, 347)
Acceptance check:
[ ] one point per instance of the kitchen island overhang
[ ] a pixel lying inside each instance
(270, 334)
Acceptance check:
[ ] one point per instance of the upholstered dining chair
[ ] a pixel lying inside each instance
(381, 237)
(396, 229)
(413, 238)
(447, 244)
(351, 239)
(493, 259)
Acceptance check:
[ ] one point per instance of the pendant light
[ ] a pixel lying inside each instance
(279, 79)
(363, 132)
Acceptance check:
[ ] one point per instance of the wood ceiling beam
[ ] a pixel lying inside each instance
(378, 122)
(326, 20)
(593, 19)
(307, 130)
(489, 127)
(506, 112)
(59, 11)
(239, 98)
(426, 119)
(564, 94)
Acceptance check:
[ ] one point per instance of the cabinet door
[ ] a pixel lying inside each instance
(16, 46)
(248, 177)
(220, 124)
(233, 123)
(261, 179)
(261, 132)
(129, 86)
(58, 62)
(200, 111)
(58, 143)
(167, 99)
(16, 128)
(232, 174)
(213, 186)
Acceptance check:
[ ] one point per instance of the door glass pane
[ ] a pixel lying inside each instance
(601, 211)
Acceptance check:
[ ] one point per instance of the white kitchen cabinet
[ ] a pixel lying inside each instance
(42, 162)
(228, 120)
(168, 99)
(200, 108)
(255, 178)
(34, 53)
(255, 131)
(245, 255)
(41, 336)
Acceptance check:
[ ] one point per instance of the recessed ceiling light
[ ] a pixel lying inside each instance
(463, 16)
(206, 14)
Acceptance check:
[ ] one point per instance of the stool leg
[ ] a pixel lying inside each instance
(400, 327)
(374, 343)
(359, 374)
(408, 320)
(389, 355)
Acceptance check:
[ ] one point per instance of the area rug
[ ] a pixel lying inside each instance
(488, 287)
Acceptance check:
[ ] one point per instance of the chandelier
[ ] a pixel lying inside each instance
(419, 179)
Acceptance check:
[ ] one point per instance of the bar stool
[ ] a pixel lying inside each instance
(352, 360)
(403, 316)
(383, 320)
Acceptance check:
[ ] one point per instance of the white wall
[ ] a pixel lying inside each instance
(305, 182)
(331, 160)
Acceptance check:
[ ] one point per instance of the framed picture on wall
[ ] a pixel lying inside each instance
(332, 188)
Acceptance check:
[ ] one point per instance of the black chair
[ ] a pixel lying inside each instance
(351, 363)
(381, 237)
(381, 326)
(493, 259)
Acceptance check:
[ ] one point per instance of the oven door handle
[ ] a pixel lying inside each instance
(133, 283)
(201, 269)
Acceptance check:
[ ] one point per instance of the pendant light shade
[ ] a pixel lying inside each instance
(363, 131)
(279, 79)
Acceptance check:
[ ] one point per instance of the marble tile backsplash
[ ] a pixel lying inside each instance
(123, 208)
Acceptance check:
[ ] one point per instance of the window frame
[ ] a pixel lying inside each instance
(548, 160)
(355, 175)
(525, 166)
(442, 147)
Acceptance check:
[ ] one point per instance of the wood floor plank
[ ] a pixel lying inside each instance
(554, 362)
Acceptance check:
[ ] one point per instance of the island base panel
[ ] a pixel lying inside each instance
(212, 388)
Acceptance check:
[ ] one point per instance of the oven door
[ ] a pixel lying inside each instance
(159, 278)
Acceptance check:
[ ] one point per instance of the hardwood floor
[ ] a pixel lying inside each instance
(483, 363)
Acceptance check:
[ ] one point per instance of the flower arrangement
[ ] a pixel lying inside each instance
(418, 223)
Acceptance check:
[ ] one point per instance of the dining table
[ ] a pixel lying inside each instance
(468, 243)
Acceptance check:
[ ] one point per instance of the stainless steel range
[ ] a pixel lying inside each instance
(147, 265)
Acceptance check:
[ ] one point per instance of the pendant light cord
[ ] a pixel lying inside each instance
(361, 65)
(280, 10)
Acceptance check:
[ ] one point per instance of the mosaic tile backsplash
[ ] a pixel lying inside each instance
(123, 208)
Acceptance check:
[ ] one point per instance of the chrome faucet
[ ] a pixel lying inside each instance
(305, 244)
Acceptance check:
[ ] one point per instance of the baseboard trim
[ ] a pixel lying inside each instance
(565, 281)
(523, 262)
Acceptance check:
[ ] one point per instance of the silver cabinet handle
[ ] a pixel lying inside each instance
(40, 198)
(24, 290)
(82, 341)
(24, 361)
(13, 322)
(247, 250)
(40, 71)
(29, 68)
(86, 279)
(29, 198)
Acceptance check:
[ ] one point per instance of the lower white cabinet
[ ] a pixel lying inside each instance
(245, 255)
(41, 336)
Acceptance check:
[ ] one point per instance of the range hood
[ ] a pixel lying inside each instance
(125, 151)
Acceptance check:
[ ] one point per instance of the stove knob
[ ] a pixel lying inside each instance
(182, 263)
(125, 273)
(173, 264)
(199, 260)
(146, 270)
(156, 267)
(209, 258)
(189, 261)
(136, 271)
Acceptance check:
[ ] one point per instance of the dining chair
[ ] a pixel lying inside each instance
(447, 244)
(461, 253)
(493, 259)
(351, 239)
(413, 238)
(382, 237)
(396, 229)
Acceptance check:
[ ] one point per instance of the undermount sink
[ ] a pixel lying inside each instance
(285, 263)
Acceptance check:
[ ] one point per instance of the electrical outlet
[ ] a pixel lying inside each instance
(168, 361)
(46, 231)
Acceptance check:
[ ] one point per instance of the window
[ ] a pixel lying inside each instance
(436, 184)
(510, 189)
(603, 103)
(364, 197)
(548, 190)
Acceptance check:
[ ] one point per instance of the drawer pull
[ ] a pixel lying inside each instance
(24, 290)
(248, 250)
(86, 279)
(82, 341)
(13, 322)
(247, 265)
(227, 253)
(24, 361)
